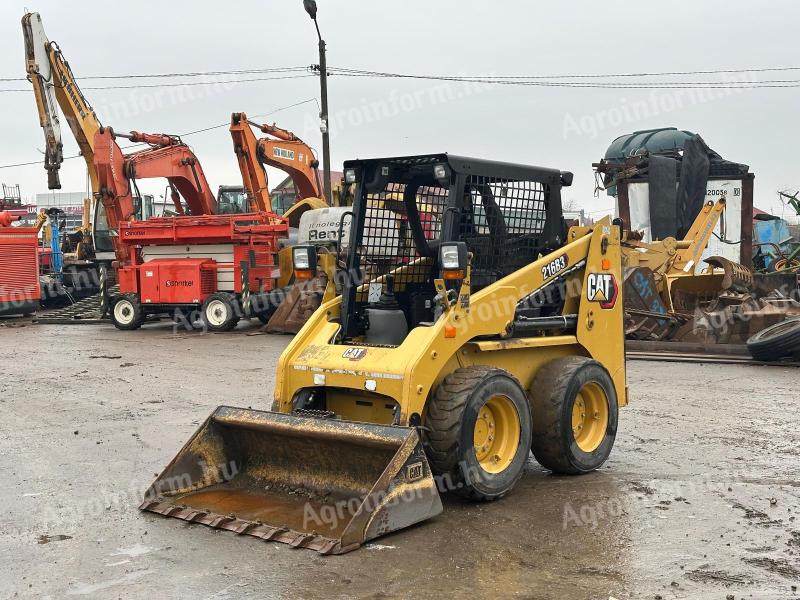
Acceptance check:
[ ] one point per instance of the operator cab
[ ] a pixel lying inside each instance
(231, 200)
(407, 210)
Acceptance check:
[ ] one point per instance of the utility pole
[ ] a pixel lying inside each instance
(311, 8)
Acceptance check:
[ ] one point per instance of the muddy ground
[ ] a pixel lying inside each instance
(698, 500)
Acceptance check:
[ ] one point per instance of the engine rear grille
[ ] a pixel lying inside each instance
(207, 281)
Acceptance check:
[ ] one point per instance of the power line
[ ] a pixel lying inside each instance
(188, 133)
(178, 74)
(558, 81)
(596, 75)
(539, 82)
(488, 77)
(183, 84)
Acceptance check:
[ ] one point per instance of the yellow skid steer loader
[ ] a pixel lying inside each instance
(470, 328)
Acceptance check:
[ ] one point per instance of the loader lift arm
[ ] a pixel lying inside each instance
(286, 152)
(671, 257)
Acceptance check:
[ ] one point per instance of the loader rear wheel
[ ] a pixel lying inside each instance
(574, 411)
(219, 312)
(478, 432)
(127, 313)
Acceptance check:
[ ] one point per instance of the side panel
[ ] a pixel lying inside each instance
(149, 284)
(221, 253)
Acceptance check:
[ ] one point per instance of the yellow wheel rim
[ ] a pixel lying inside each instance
(590, 417)
(496, 434)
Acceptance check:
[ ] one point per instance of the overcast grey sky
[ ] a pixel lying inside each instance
(555, 127)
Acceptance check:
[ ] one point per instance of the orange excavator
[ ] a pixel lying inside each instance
(284, 151)
(287, 152)
(166, 157)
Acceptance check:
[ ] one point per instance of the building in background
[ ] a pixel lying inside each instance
(284, 195)
(71, 203)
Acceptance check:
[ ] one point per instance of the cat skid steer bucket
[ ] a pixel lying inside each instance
(310, 482)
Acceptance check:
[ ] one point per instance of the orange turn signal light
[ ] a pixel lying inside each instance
(605, 264)
(304, 274)
(453, 275)
(449, 331)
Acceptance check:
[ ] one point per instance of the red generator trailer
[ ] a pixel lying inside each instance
(19, 268)
(221, 266)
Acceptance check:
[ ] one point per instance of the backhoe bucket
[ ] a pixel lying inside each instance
(318, 483)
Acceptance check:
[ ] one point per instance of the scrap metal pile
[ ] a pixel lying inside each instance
(688, 248)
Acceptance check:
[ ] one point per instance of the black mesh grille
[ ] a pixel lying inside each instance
(388, 243)
(502, 222)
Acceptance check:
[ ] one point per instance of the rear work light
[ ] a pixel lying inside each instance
(304, 259)
(453, 260)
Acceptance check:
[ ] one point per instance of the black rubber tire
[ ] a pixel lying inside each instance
(135, 317)
(552, 396)
(776, 341)
(229, 320)
(449, 432)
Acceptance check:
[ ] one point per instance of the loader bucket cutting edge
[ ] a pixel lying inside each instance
(324, 484)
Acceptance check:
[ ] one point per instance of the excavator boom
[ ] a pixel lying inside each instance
(54, 87)
(286, 152)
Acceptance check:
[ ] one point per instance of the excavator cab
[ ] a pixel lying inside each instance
(232, 200)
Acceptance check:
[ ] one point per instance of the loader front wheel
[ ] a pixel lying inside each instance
(219, 312)
(127, 313)
(478, 432)
(574, 411)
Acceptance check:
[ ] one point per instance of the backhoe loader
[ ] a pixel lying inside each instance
(458, 344)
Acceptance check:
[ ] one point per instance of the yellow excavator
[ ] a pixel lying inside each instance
(456, 345)
(54, 87)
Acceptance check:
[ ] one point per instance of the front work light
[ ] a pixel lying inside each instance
(350, 176)
(453, 260)
(304, 259)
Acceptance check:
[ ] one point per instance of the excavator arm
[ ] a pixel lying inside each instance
(286, 152)
(254, 177)
(166, 157)
(54, 87)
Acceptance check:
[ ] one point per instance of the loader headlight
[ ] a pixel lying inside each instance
(453, 260)
(304, 259)
(350, 176)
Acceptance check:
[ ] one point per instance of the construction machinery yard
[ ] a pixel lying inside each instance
(698, 499)
(424, 375)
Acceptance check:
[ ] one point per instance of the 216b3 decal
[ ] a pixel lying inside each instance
(554, 266)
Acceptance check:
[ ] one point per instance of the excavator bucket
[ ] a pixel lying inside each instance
(303, 299)
(307, 481)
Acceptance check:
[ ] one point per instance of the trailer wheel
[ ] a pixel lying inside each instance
(127, 313)
(219, 312)
(478, 432)
(574, 411)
